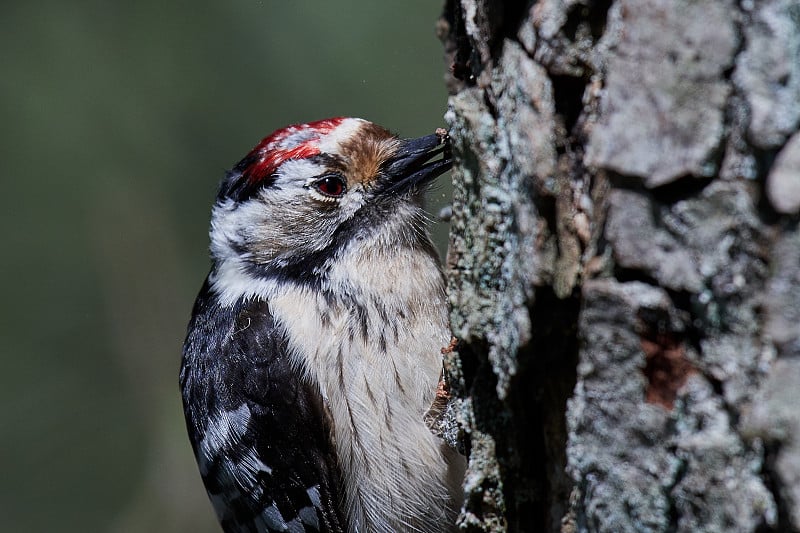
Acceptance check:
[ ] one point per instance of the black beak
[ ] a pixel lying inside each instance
(412, 165)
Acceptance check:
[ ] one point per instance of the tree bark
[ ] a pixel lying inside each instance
(624, 263)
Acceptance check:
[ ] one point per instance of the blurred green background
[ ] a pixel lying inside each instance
(118, 120)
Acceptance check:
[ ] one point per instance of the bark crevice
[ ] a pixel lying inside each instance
(622, 263)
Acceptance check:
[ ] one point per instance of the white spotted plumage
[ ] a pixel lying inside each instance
(366, 333)
(378, 416)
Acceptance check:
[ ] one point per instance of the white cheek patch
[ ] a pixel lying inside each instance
(282, 197)
(351, 202)
(227, 221)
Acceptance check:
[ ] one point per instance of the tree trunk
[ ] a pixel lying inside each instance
(624, 263)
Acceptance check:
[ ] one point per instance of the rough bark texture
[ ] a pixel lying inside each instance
(624, 263)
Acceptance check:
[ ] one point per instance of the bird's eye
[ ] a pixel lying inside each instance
(332, 185)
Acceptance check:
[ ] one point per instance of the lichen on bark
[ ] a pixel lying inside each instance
(623, 264)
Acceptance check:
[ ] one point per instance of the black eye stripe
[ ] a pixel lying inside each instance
(330, 161)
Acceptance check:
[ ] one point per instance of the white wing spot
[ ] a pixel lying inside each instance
(225, 428)
(313, 495)
(274, 519)
(308, 515)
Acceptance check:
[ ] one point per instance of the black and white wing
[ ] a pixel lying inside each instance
(259, 431)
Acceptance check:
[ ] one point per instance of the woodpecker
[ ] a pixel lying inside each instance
(314, 349)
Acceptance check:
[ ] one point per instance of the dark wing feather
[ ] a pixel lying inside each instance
(259, 431)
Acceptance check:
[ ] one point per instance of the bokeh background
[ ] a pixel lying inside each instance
(118, 120)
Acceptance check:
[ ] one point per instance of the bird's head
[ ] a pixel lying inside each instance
(308, 192)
